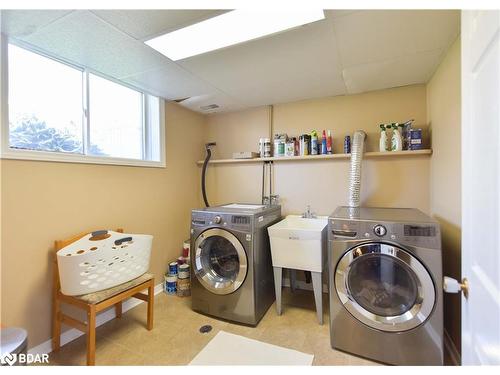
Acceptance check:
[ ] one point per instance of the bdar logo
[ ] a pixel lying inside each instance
(21, 358)
(8, 359)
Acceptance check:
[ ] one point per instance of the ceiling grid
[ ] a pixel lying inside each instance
(346, 53)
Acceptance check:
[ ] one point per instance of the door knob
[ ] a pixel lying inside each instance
(450, 285)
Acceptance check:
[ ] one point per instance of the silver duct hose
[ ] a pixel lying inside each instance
(355, 174)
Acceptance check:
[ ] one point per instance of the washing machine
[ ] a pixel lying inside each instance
(385, 285)
(231, 267)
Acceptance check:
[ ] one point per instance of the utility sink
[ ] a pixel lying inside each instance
(299, 243)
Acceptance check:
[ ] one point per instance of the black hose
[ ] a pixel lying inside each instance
(203, 173)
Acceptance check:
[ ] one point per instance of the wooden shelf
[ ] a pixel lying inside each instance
(389, 154)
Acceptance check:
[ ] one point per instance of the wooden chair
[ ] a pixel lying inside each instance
(94, 303)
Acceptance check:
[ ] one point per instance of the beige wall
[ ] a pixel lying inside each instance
(392, 182)
(444, 117)
(44, 201)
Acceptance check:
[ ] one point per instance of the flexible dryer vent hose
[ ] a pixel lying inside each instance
(355, 174)
(204, 171)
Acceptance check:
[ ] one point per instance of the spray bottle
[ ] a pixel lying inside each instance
(397, 140)
(314, 142)
(383, 139)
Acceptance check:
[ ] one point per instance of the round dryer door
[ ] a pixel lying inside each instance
(220, 261)
(385, 287)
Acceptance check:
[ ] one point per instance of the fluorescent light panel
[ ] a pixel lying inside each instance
(227, 29)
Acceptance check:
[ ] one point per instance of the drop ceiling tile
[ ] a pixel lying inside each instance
(145, 24)
(85, 39)
(379, 35)
(402, 71)
(19, 23)
(297, 64)
(170, 83)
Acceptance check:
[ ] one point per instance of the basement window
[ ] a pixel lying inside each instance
(57, 111)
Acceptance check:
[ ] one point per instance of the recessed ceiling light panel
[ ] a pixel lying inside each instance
(230, 28)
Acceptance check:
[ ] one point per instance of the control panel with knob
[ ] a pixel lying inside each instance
(217, 219)
(379, 230)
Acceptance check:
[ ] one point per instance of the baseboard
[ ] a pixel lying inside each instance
(106, 316)
(451, 349)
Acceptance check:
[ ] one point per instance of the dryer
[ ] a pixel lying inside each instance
(385, 285)
(231, 267)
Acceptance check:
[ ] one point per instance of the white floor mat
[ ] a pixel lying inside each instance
(229, 349)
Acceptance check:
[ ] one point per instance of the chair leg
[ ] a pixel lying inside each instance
(91, 314)
(118, 309)
(56, 324)
(151, 299)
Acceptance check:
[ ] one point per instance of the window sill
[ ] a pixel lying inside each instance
(76, 158)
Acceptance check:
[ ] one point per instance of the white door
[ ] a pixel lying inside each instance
(481, 186)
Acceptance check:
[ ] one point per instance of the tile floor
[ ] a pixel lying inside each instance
(176, 339)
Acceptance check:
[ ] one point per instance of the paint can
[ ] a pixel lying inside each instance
(183, 287)
(172, 269)
(186, 246)
(183, 271)
(170, 284)
(180, 261)
(415, 139)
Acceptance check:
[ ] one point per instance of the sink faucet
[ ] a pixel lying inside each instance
(308, 214)
(275, 200)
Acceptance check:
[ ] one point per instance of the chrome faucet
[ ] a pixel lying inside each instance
(275, 200)
(308, 214)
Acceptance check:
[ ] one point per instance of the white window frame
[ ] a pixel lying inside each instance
(6, 152)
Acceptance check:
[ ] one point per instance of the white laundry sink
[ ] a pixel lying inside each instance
(299, 243)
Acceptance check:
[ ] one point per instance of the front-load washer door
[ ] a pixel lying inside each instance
(385, 287)
(220, 262)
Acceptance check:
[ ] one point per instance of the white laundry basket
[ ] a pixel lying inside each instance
(101, 260)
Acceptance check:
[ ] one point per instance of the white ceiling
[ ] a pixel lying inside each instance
(348, 52)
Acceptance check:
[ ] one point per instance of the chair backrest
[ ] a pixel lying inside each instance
(59, 244)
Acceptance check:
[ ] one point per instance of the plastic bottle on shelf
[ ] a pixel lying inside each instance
(314, 142)
(383, 139)
(396, 140)
(323, 143)
(329, 149)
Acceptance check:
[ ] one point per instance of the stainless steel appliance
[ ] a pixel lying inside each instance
(231, 267)
(385, 285)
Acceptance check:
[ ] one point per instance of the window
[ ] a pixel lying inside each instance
(61, 112)
(45, 114)
(116, 119)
